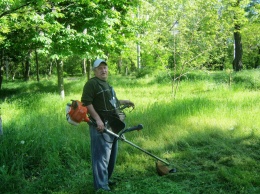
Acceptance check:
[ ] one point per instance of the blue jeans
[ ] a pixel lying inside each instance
(104, 149)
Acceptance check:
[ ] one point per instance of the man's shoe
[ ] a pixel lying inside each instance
(111, 183)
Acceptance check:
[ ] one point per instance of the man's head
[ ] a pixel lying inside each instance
(100, 69)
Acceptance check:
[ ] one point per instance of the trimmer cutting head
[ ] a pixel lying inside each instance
(163, 169)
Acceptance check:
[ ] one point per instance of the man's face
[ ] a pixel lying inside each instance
(101, 71)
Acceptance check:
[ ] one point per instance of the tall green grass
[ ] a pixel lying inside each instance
(209, 133)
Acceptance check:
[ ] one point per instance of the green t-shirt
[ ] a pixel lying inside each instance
(101, 95)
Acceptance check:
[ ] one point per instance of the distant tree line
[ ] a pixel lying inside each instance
(39, 38)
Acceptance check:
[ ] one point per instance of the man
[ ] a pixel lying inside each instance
(102, 105)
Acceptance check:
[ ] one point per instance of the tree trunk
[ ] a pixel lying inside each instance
(238, 51)
(1, 66)
(1, 126)
(27, 67)
(37, 65)
(138, 47)
(1, 78)
(257, 62)
(84, 70)
(119, 65)
(50, 69)
(88, 69)
(7, 68)
(138, 56)
(60, 78)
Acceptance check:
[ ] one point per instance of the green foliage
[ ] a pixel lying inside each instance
(73, 65)
(140, 73)
(251, 56)
(60, 29)
(210, 133)
(186, 35)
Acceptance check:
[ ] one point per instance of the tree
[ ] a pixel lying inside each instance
(234, 12)
(88, 28)
(181, 36)
(59, 29)
(238, 49)
(178, 36)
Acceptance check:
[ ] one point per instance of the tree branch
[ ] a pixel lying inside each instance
(14, 10)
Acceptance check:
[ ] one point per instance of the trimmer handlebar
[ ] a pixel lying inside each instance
(126, 106)
(138, 127)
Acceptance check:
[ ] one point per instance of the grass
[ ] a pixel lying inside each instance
(210, 133)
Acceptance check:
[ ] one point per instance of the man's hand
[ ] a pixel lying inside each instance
(94, 115)
(100, 125)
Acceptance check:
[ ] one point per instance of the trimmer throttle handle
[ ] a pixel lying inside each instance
(138, 127)
(126, 106)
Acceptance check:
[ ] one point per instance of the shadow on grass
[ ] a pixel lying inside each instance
(14, 89)
(19, 89)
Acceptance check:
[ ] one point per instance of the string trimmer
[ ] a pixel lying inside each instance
(161, 165)
(76, 113)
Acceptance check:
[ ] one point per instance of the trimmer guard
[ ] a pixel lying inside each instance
(163, 169)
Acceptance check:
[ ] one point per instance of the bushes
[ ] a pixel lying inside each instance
(140, 73)
(249, 79)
